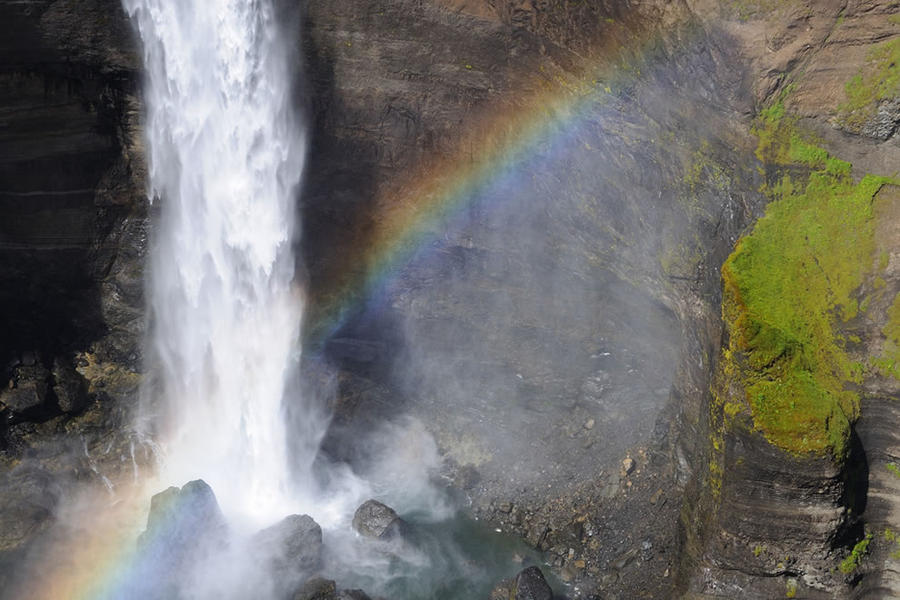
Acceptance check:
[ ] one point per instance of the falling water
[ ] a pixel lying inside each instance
(226, 155)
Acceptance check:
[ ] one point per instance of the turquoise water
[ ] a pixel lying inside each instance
(454, 559)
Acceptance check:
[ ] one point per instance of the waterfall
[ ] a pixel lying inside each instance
(225, 154)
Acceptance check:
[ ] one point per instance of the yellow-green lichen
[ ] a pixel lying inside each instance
(786, 285)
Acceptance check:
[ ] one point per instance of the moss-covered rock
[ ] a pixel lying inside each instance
(790, 282)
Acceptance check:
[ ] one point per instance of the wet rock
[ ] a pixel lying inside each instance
(316, 589)
(292, 544)
(27, 391)
(183, 522)
(376, 520)
(531, 585)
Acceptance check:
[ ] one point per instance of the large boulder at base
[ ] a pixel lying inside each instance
(183, 522)
(292, 544)
(531, 585)
(376, 520)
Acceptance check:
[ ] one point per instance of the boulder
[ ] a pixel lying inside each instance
(182, 522)
(531, 585)
(376, 520)
(292, 544)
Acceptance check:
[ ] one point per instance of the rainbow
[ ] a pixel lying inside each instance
(104, 560)
(508, 138)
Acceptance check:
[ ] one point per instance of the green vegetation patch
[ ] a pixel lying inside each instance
(879, 79)
(789, 283)
(852, 562)
(893, 468)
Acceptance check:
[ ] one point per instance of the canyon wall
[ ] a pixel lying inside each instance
(560, 333)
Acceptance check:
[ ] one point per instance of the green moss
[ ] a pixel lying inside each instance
(788, 281)
(893, 468)
(852, 562)
(878, 79)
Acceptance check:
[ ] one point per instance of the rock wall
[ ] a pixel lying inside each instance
(73, 228)
(768, 521)
(560, 336)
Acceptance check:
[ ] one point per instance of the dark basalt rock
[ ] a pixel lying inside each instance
(376, 520)
(294, 544)
(531, 585)
(184, 527)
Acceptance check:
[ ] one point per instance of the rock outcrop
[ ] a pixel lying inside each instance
(376, 520)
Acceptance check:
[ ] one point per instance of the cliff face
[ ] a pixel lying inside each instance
(779, 517)
(563, 324)
(72, 237)
(559, 332)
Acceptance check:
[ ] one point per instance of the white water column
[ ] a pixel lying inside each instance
(225, 156)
